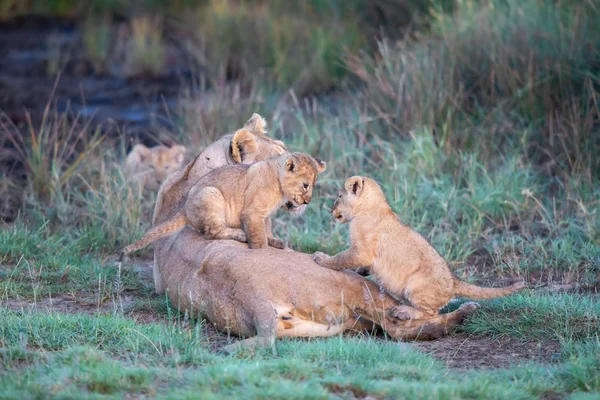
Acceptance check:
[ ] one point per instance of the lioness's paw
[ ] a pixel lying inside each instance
(320, 258)
(403, 313)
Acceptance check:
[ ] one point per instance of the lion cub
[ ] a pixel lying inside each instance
(235, 201)
(401, 259)
(151, 166)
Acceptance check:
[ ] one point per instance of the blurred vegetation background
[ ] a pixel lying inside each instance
(480, 118)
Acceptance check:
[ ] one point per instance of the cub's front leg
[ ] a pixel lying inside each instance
(255, 228)
(276, 243)
(351, 258)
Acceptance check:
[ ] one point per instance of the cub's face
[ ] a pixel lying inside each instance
(157, 163)
(163, 161)
(348, 196)
(298, 179)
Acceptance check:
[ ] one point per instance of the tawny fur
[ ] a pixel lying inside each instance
(152, 166)
(263, 294)
(266, 294)
(245, 146)
(402, 260)
(235, 202)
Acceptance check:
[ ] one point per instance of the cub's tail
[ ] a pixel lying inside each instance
(481, 293)
(165, 229)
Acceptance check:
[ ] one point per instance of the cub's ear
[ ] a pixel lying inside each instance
(256, 124)
(141, 152)
(242, 144)
(290, 164)
(321, 165)
(178, 153)
(355, 185)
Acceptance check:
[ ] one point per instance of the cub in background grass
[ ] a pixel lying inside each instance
(403, 261)
(236, 201)
(152, 166)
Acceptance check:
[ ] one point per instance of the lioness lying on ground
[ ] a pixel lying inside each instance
(151, 166)
(266, 294)
(236, 201)
(401, 259)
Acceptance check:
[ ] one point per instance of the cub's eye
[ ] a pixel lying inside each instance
(306, 186)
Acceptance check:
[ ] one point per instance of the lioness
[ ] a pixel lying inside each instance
(266, 294)
(401, 259)
(151, 166)
(236, 201)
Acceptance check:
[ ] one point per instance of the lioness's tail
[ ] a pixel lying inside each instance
(481, 293)
(165, 229)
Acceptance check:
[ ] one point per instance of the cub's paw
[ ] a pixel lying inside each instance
(320, 258)
(278, 244)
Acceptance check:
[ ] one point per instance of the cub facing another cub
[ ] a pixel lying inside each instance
(235, 202)
(401, 259)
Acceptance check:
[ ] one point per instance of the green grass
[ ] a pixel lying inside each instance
(110, 355)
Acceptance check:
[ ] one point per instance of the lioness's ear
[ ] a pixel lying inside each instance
(256, 124)
(321, 165)
(242, 143)
(354, 185)
(178, 153)
(289, 164)
(141, 151)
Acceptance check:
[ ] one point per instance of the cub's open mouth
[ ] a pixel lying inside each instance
(293, 207)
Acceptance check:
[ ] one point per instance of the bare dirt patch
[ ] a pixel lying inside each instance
(472, 352)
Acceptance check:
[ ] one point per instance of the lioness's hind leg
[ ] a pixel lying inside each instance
(265, 322)
(205, 209)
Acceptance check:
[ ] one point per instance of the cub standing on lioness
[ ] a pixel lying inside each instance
(151, 166)
(244, 146)
(235, 202)
(401, 259)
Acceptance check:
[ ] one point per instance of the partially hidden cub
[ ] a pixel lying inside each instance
(151, 166)
(235, 201)
(402, 260)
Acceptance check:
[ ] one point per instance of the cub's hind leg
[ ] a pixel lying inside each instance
(425, 298)
(205, 209)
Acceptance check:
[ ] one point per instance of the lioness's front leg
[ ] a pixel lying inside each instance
(254, 226)
(351, 258)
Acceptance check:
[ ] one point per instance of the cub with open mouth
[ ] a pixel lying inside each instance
(236, 201)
